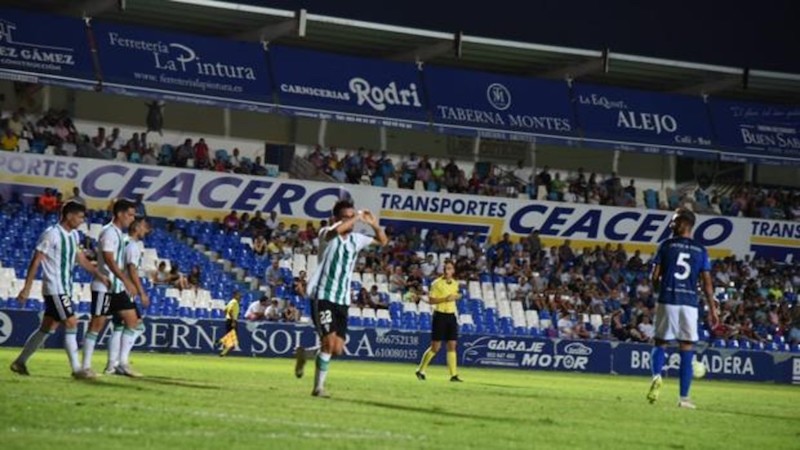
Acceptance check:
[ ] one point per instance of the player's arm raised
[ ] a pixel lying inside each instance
(36, 260)
(380, 236)
(341, 227)
(84, 262)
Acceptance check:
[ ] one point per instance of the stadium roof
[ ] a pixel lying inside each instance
(248, 22)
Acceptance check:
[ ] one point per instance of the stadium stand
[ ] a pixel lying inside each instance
(599, 293)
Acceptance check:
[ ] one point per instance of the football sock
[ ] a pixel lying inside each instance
(657, 358)
(71, 346)
(427, 357)
(451, 363)
(687, 356)
(88, 349)
(321, 372)
(128, 339)
(34, 342)
(114, 345)
(310, 353)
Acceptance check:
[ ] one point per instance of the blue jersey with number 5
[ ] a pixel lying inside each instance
(681, 260)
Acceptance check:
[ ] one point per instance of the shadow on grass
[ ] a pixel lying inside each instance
(752, 414)
(167, 381)
(435, 411)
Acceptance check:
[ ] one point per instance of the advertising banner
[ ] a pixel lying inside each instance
(728, 364)
(757, 132)
(42, 48)
(346, 88)
(652, 122)
(203, 70)
(188, 193)
(266, 339)
(499, 106)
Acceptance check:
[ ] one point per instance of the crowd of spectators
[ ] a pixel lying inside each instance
(56, 131)
(564, 282)
(23, 131)
(368, 166)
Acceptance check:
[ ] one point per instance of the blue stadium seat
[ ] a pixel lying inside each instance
(354, 321)
(774, 347)
(719, 343)
(733, 343)
(745, 344)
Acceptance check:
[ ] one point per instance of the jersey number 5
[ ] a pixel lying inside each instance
(685, 268)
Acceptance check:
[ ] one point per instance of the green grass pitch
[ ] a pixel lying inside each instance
(207, 402)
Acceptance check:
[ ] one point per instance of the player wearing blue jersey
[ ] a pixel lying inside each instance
(680, 263)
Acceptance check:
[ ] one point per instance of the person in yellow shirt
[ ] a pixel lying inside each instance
(230, 340)
(9, 141)
(443, 297)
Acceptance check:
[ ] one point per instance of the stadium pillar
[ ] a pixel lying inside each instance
(226, 121)
(615, 162)
(46, 98)
(323, 129)
(476, 149)
(532, 148)
(749, 173)
(382, 131)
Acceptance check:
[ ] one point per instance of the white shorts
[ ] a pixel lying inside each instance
(676, 322)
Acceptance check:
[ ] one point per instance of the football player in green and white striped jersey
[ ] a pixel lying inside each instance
(57, 251)
(329, 287)
(110, 300)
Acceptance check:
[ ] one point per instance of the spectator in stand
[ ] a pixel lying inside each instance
(244, 224)
(557, 187)
(291, 314)
(272, 224)
(309, 233)
(183, 153)
(273, 311)
(161, 276)
(630, 190)
(635, 263)
(134, 144)
(273, 275)
(177, 279)
(114, 141)
(258, 226)
(76, 196)
(397, 282)
(149, 158)
(201, 155)
(545, 179)
(16, 125)
(141, 210)
(300, 283)
(231, 222)
(258, 168)
(9, 142)
(256, 311)
(194, 279)
(155, 116)
(235, 162)
(260, 245)
(47, 202)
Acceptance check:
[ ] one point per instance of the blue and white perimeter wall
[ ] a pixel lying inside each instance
(192, 194)
(280, 340)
